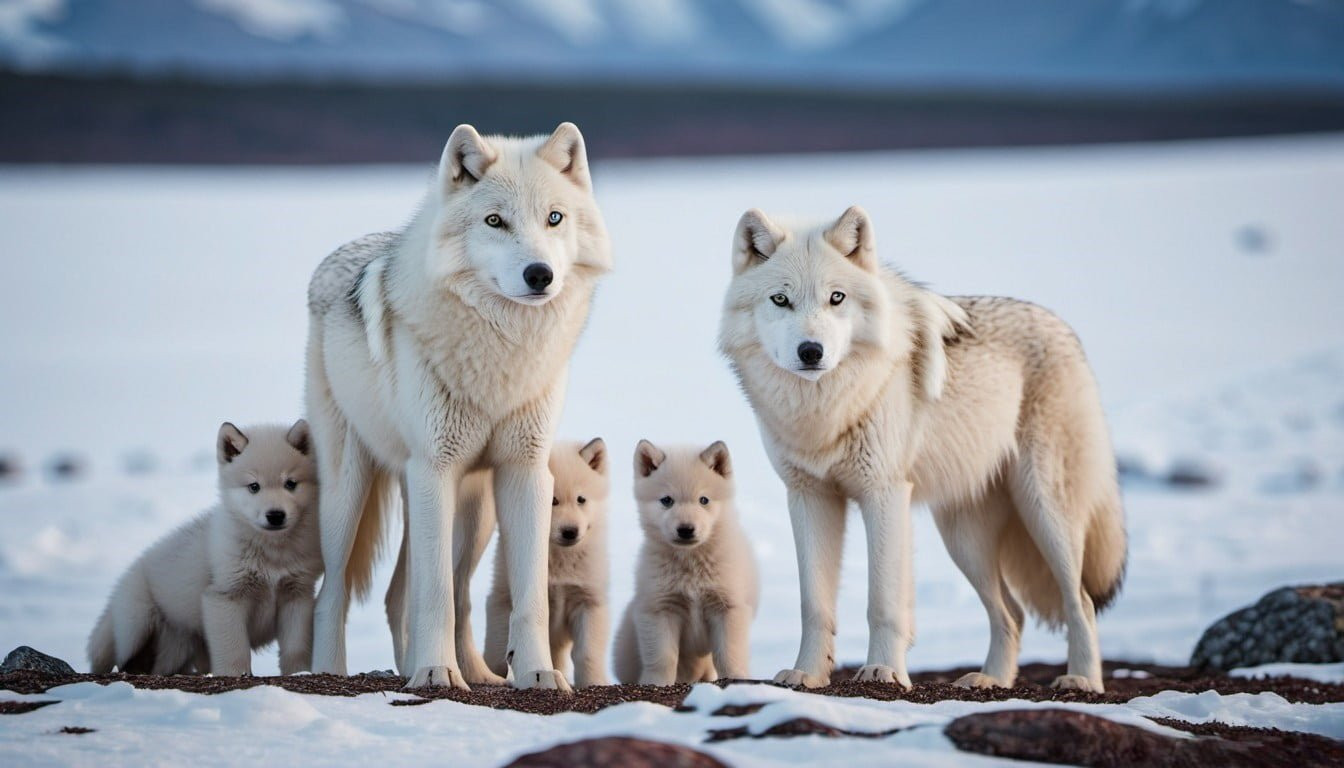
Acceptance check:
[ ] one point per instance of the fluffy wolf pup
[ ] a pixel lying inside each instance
(868, 387)
(696, 587)
(233, 579)
(440, 350)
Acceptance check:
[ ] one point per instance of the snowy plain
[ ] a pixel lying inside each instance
(144, 306)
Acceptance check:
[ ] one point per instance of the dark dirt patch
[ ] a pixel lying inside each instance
(409, 702)
(800, 726)
(737, 710)
(21, 707)
(617, 752)
(78, 730)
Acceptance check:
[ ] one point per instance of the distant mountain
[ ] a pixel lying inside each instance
(1061, 44)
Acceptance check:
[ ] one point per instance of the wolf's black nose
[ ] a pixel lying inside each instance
(810, 352)
(538, 276)
(686, 532)
(569, 533)
(276, 517)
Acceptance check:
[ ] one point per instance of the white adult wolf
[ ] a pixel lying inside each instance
(439, 350)
(232, 579)
(868, 387)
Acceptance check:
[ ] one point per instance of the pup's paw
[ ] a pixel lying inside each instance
(1077, 683)
(480, 674)
(437, 677)
(881, 673)
(542, 678)
(797, 677)
(979, 680)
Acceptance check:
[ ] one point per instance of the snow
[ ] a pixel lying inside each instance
(145, 306)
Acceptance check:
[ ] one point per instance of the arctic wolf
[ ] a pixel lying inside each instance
(439, 350)
(869, 387)
(696, 587)
(233, 579)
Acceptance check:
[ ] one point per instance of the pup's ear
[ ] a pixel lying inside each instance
(298, 436)
(716, 458)
(756, 240)
(565, 150)
(466, 157)
(648, 457)
(595, 453)
(852, 236)
(230, 443)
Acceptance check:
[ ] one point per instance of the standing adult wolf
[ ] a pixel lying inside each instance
(441, 349)
(869, 387)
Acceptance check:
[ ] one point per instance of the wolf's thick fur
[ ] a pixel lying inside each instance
(696, 586)
(983, 408)
(232, 579)
(437, 351)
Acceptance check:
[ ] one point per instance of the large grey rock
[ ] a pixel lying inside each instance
(1293, 624)
(24, 658)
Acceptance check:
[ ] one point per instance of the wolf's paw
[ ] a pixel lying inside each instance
(1077, 683)
(437, 677)
(797, 677)
(542, 678)
(881, 673)
(979, 680)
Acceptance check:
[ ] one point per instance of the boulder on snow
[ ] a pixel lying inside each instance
(28, 659)
(1292, 624)
(617, 752)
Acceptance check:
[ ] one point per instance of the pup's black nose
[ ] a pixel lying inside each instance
(810, 352)
(569, 533)
(686, 532)
(538, 276)
(275, 517)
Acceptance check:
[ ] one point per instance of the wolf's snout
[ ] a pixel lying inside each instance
(275, 518)
(810, 352)
(538, 276)
(569, 533)
(686, 532)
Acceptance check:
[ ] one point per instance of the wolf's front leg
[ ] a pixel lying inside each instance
(589, 628)
(522, 504)
(818, 519)
(730, 632)
(225, 620)
(659, 634)
(430, 655)
(891, 587)
(294, 627)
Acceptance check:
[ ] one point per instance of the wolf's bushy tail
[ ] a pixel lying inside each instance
(1105, 551)
(383, 494)
(124, 627)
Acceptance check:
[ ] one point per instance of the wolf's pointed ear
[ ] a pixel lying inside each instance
(852, 236)
(595, 453)
(565, 150)
(298, 436)
(716, 458)
(466, 157)
(756, 240)
(230, 443)
(648, 457)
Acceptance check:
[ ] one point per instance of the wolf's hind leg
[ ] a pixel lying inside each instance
(472, 528)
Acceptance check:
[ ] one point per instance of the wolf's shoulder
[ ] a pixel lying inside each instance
(335, 277)
(1015, 319)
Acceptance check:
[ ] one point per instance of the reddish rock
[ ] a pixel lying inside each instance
(617, 752)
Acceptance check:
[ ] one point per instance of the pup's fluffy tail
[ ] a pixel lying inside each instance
(383, 494)
(124, 627)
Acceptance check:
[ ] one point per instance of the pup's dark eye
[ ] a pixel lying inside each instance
(555, 502)
(704, 501)
(254, 487)
(780, 300)
(555, 218)
(291, 485)
(493, 220)
(666, 501)
(836, 298)
(582, 501)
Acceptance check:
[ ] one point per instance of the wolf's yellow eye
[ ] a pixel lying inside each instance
(493, 220)
(780, 300)
(555, 218)
(836, 298)
(254, 487)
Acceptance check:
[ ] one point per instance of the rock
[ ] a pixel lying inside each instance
(11, 469)
(617, 752)
(24, 658)
(1189, 473)
(64, 467)
(1291, 624)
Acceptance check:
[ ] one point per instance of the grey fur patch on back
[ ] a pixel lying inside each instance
(336, 279)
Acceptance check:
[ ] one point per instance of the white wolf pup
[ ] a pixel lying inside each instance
(696, 588)
(440, 350)
(868, 387)
(233, 579)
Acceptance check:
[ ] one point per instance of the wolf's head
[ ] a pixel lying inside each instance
(517, 214)
(581, 488)
(266, 475)
(682, 492)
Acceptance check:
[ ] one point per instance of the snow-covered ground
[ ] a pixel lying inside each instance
(144, 306)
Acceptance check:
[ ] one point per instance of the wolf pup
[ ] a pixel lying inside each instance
(696, 586)
(233, 579)
(440, 350)
(868, 387)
